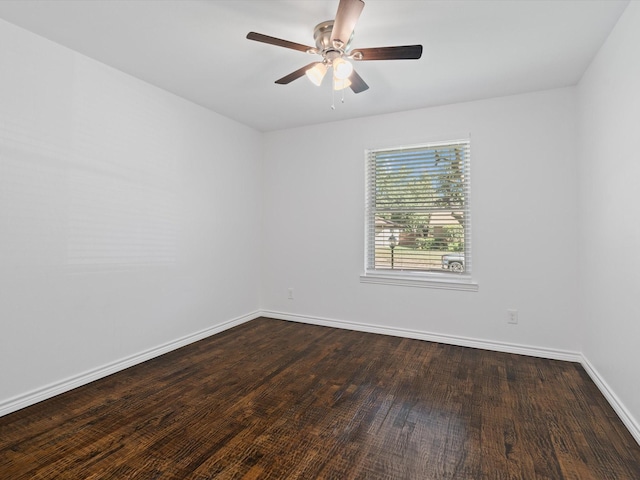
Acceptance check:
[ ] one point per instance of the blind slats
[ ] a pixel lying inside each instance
(418, 207)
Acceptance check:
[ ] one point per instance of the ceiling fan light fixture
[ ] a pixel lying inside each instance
(341, 83)
(317, 73)
(333, 43)
(341, 68)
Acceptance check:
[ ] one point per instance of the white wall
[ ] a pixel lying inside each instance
(609, 105)
(129, 217)
(524, 204)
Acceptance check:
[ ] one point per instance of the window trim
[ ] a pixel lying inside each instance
(439, 280)
(426, 280)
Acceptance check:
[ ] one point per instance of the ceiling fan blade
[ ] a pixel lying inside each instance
(295, 75)
(346, 18)
(259, 37)
(357, 83)
(406, 52)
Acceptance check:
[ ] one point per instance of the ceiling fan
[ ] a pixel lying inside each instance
(333, 43)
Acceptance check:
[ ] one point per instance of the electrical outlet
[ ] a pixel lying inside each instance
(512, 317)
(290, 294)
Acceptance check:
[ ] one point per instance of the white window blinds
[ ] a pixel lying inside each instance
(418, 209)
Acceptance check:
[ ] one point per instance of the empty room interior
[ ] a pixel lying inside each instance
(419, 267)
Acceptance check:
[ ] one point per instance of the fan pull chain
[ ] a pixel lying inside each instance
(333, 98)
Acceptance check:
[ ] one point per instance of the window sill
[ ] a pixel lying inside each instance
(442, 281)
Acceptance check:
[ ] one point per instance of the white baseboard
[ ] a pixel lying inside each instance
(431, 337)
(35, 396)
(624, 414)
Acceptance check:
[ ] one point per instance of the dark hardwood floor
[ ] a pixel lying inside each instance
(278, 400)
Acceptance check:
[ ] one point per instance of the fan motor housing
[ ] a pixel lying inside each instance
(322, 37)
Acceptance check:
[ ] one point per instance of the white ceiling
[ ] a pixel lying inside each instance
(197, 49)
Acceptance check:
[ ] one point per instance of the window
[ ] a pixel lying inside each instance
(418, 228)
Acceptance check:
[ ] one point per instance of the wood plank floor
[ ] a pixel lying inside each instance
(278, 400)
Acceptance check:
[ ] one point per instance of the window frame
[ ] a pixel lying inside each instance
(413, 278)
